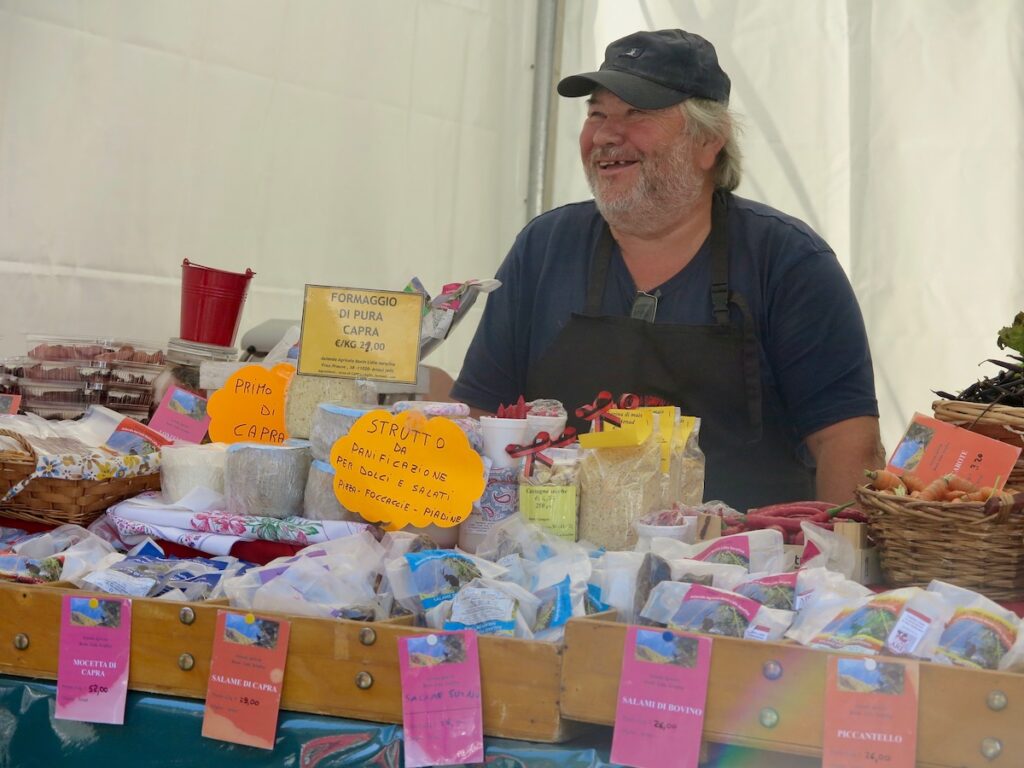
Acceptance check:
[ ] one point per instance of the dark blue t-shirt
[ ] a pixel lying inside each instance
(814, 351)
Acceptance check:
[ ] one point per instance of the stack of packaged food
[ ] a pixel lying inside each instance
(61, 376)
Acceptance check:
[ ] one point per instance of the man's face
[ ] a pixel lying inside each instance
(639, 163)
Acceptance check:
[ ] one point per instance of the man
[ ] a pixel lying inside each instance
(668, 289)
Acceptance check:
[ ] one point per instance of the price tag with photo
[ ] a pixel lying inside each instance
(442, 716)
(662, 692)
(181, 416)
(243, 695)
(870, 713)
(92, 667)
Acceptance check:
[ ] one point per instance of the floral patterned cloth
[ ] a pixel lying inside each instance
(214, 531)
(72, 460)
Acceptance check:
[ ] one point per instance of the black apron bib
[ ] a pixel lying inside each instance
(710, 371)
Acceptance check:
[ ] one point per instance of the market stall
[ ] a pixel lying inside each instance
(301, 534)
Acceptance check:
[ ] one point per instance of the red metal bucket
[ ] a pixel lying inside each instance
(211, 303)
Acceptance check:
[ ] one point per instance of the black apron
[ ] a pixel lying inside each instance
(710, 371)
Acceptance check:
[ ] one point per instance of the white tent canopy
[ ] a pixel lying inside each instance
(360, 144)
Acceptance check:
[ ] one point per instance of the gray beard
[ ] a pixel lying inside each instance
(667, 187)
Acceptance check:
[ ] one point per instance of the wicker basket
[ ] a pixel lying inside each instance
(58, 501)
(923, 540)
(997, 421)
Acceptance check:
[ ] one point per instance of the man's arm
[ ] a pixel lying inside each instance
(842, 452)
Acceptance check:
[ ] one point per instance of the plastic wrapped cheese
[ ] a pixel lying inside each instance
(265, 480)
(432, 408)
(332, 421)
(186, 467)
(320, 501)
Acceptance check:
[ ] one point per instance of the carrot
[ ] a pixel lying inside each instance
(913, 482)
(954, 495)
(884, 480)
(934, 491)
(982, 494)
(957, 483)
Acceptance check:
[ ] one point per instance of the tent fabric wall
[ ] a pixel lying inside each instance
(893, 127)
(326, 141)
(353, 143)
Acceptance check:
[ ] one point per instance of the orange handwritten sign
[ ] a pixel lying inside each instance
(249, 408)
(407, 469)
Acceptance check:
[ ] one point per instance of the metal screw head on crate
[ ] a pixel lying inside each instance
(367, 636)
(769, 717)
(997, 701)
(364, 680)
(21, 641)
(991, 748)
(186, 661)
(772, 670)
(186, 615)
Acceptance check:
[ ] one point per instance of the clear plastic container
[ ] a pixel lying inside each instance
(42, 347)
(134, 374)
(137, 396)
(68, 371)
(12, 366)
(65, 393)
(186, 352)
(183, 361)
(54, 411)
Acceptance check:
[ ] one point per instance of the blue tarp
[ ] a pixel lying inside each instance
(166, 731)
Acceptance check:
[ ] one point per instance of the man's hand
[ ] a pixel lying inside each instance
(842, 452)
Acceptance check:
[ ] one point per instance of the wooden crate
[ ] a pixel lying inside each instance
(955, 721)
(340, 668)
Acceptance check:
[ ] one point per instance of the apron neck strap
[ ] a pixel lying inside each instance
(598, 277)
(720, 257)
(599, 265)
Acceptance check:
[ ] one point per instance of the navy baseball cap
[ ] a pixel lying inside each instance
(654, 70)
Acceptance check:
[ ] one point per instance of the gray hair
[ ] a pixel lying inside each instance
(710, 120)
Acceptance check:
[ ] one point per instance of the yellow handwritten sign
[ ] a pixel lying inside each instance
(407, 469)
(249, 408)
(353, 333)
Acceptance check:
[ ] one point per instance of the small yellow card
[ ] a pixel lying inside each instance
(352, 333)
(620, 437)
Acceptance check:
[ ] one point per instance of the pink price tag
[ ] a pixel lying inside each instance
(92, 667)
(662, 692)
(442, 716)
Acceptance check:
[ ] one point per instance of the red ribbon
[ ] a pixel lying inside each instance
(597, 412)
(532, 452)
(567, 438)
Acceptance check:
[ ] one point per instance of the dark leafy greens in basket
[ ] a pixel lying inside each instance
(1006, 387)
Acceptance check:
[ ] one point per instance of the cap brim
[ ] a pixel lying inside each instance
(633, 90)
